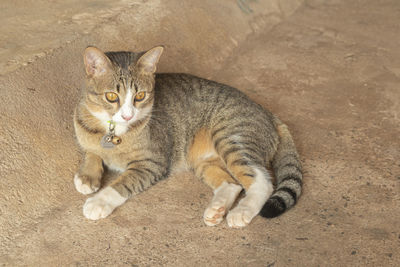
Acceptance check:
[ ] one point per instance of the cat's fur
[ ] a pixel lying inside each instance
(227, 139)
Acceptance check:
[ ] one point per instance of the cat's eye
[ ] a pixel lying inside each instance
(140, 96)
(111, 97)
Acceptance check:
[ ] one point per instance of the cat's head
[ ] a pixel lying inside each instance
(120, 85)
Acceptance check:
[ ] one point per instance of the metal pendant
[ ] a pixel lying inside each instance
(110, 140)
(107, 141)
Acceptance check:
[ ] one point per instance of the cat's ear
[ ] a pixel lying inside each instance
(96, 62)
(148, 62)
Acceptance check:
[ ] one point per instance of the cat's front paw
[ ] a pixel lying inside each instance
(102, 204)
(85, 184)
(96, 208)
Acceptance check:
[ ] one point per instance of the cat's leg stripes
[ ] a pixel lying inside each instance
(88, 178)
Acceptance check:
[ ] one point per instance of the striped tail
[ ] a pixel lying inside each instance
(288, 173)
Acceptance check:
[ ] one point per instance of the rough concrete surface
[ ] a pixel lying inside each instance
(329, 69)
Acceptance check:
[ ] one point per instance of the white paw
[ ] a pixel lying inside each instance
(95, 209)
(224, 196)
(251, 204)
(102, 204)
(239, 217)
(83, 188)
(214, 215)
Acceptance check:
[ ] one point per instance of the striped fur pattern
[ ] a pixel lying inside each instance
(228, 140)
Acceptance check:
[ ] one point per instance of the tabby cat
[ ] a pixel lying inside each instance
(144, 125)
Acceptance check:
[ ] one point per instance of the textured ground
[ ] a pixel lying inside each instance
(331, 70)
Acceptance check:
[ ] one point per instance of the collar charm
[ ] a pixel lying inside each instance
(110, 140)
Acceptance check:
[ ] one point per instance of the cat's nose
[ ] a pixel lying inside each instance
(127, 118)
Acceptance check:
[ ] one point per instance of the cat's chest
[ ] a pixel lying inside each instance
(115, 162)
(115, 157)
(118, 158)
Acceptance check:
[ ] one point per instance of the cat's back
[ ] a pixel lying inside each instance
(182, 85)
(198, 102)
(187, 89)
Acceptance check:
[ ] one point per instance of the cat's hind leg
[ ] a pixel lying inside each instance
(244, 160)
(223, 199)
(208, 166)
(225, 188)
(257, 193)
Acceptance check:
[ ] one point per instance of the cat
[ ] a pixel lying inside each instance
(144, 125)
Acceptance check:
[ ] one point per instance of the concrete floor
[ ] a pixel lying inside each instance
(329, 69)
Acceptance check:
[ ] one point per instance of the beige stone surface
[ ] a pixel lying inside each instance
(330, 69)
